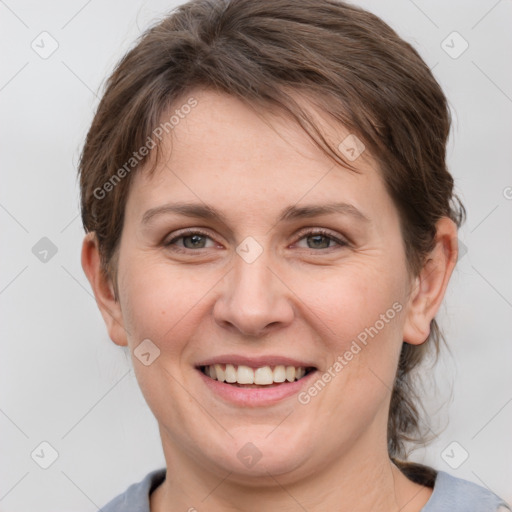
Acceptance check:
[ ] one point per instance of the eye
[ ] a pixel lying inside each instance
(191, 240)
(196, 239)
(321, 239)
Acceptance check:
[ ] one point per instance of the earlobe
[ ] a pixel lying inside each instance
(103, 290)
(430, 286)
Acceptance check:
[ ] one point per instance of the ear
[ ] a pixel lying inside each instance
(430, 286)
(103, 289)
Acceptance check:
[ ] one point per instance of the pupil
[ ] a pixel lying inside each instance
(317, 237)
(195, 239)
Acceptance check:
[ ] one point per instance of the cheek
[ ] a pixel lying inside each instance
(161, 301)
(363, 313)
(352, 298)
(359, 314)
(167, 302)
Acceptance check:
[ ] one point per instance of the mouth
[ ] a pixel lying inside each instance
(263, 377)
(255, 381)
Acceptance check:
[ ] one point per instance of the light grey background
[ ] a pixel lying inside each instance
(64, 382)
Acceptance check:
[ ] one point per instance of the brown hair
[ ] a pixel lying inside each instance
(352, 65)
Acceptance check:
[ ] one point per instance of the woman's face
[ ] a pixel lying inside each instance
(267, 282)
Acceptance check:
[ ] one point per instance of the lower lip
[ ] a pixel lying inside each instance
(253, 397)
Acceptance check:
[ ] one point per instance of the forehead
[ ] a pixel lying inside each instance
(221, 121)
(222, 150)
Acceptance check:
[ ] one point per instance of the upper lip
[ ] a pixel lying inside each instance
(256, 362)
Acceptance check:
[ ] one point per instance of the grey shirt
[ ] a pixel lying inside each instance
(450, 494)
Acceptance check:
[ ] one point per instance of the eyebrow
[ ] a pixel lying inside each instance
(202, 211)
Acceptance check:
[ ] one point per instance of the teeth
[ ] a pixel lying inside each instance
(263, 376)
(290, 373)
(260, 376)
(279, 373)
(245, 375)
(230, 373)
(221, 374)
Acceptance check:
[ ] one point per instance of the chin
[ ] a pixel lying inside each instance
(263, 455)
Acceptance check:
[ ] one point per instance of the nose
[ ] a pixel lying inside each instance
(255, 299)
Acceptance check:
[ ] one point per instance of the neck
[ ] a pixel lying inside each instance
(356, 482)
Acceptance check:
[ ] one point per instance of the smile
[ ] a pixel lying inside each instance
(242, 375)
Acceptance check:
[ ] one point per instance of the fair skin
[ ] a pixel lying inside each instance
(304, 297)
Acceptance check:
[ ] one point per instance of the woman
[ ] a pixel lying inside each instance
(271, 229)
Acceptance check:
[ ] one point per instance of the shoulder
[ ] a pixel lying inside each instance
(136, 497)
(458, 495)
(450, 493)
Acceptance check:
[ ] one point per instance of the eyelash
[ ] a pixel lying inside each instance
(319, 231)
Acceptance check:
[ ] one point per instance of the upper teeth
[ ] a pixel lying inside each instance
(246, 375)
